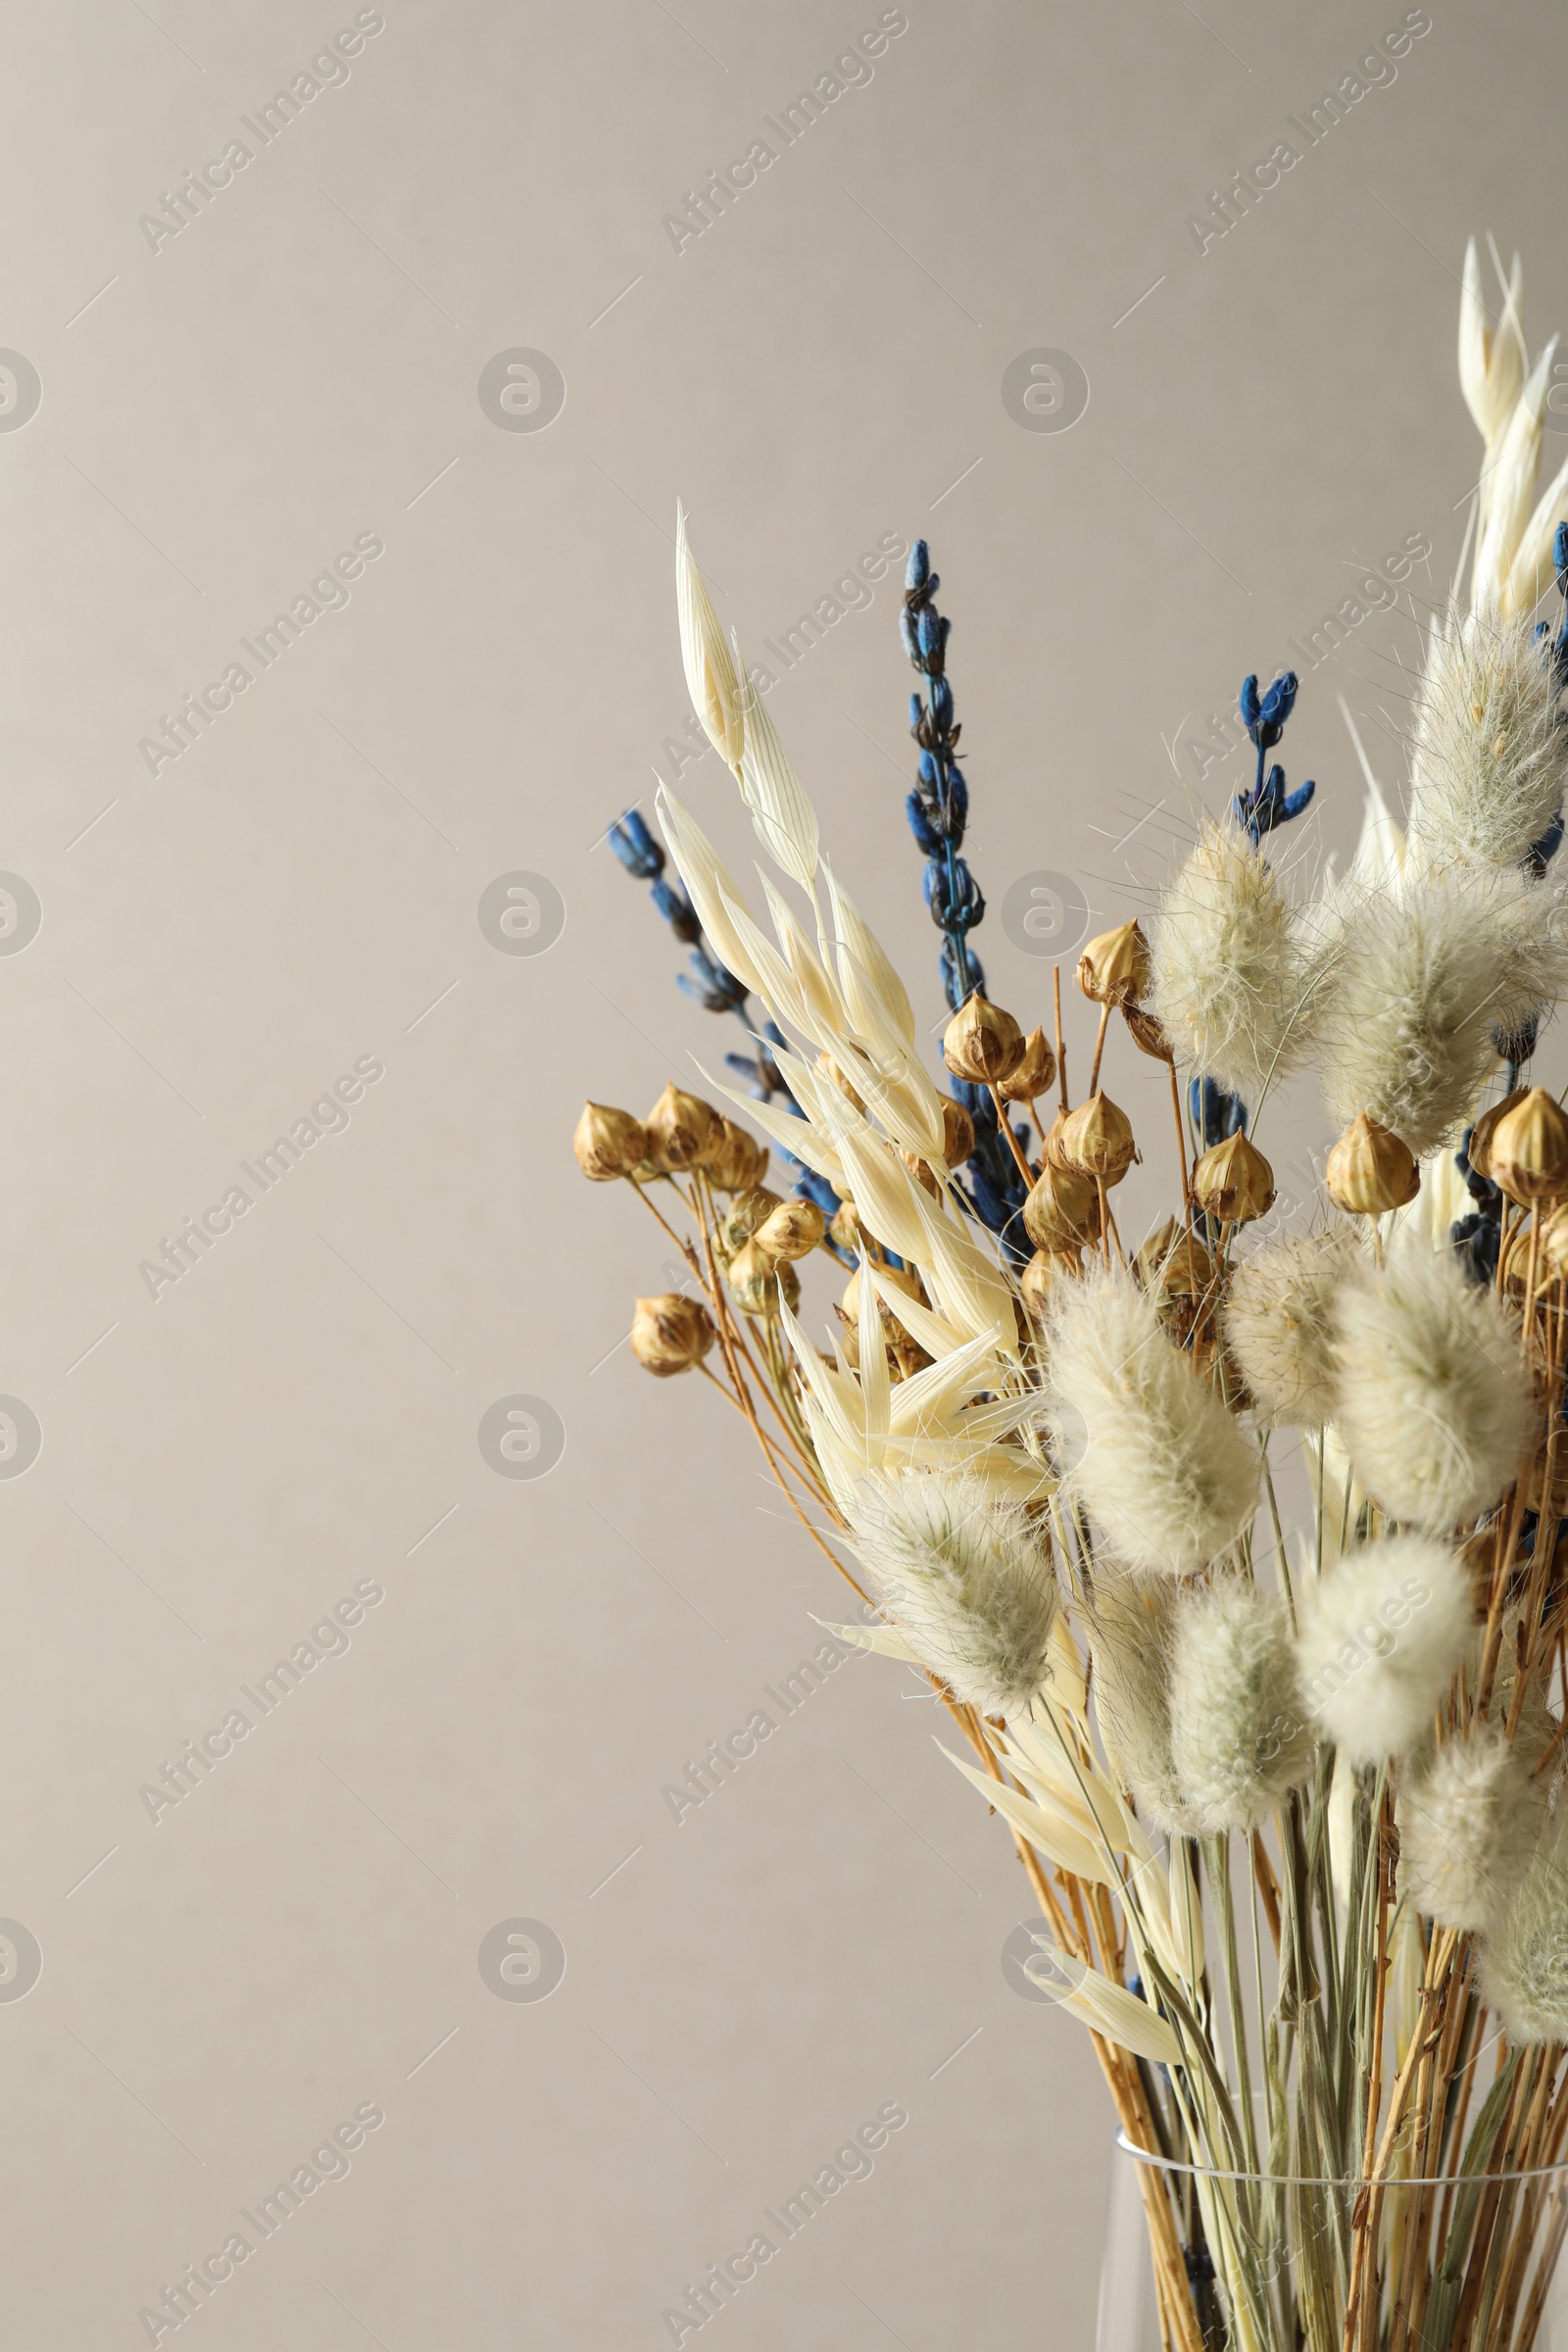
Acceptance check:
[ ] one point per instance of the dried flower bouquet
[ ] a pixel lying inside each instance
(1293, 1805)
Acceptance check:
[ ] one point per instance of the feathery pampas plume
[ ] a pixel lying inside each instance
(1490, 754)
(1381, 1639)
(968, 1579)
(1239, 1734)
(1279, 1323)
(1132, 1636)
(1424, 970)
(1524, 1960)
(1432, 1401)
(1231, 980)
(1469, 1823)
(1147, 1448)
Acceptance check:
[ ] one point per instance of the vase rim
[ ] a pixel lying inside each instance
(1344, 2181)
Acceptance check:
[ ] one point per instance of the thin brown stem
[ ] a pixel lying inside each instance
(1061, 1050)
(1013, 1145)
(1100, 1048)
(684, 1247)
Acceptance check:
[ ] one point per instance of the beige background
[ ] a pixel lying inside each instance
(219, 942)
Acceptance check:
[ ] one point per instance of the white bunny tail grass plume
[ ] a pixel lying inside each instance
(1239, 1732)
(1144, 1446)
(967, 1578)
(1132, 1637)
(1230, 977)
(1524, 1959)
(1381, 1635)
(1490, 753)
(1425, 969)
(1278, 1324)
(1469, 1823)
(1433, 1403)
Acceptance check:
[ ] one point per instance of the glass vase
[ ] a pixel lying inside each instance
(1500, 2288)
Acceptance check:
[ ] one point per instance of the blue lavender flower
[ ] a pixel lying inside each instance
(1264, 717)
(1559, 649)
(938, 810)
(1215, 1114)
(709, 984)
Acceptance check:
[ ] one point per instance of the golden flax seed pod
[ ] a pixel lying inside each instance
(1514, 1255)
(1234, 1182)
(891, 1278)
(906, 1356)
(1554, 1245)
(792, 1231)
(1174, 1264)
(1147, 1034)
(608, 1143)
(1371, 1170)
(1035, 1075)
(755, 1278)
(846, 1227)
(829, 1070)
(1040, 1277)
(671, 1334)
(1097, 1139)
(1481, 1133)
(1113, 969)
(1050, 1152)
(958, 1133)
(923, 1173)
(745, 1214)
(982, 1042)
(1062, 1210)
(684, 1131)
(1528, 1152)
(740, 1164)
